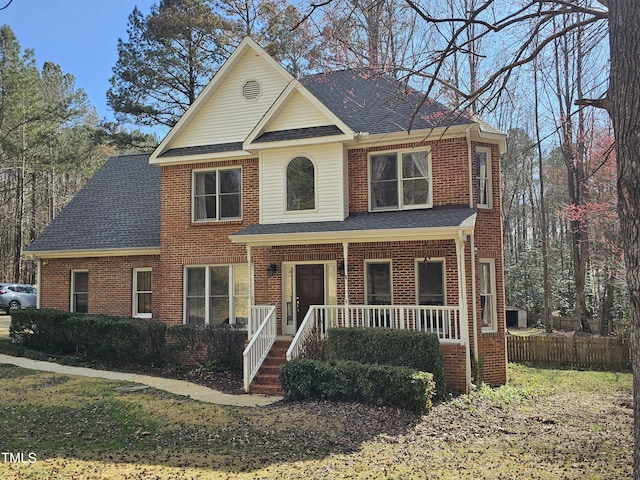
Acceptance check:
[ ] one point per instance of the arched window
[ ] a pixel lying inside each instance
(301, 191)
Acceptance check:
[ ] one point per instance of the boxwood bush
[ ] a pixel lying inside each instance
(382, 385)
(216, 347)
(417, 350)
(95, 337)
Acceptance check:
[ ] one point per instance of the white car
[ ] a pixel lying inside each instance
(17, 295)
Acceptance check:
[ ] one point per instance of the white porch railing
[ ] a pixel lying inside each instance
(261, 341)
(258, 314)
(442, 320)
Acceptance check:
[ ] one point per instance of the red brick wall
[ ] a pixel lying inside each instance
(110, 283)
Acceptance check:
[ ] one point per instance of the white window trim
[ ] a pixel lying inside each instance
(207, 289)
(489, 203)
(285, 189)
(444, 276)
(398, 154)
(492, 271)
(193, 194)
(134, 293)
(366, 282)
(72, 289)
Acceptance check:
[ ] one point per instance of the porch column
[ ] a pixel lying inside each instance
(464, 303)
(345, 255)
(250, 291)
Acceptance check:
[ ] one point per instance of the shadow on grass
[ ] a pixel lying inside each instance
(88, 420)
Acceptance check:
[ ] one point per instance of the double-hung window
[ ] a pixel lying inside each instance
(378, 283)
(80, 291)
(400, 180)
(488, 314)
(483, 177)
(217, 194)
(142, 293)
(216, 294)
(431, 282)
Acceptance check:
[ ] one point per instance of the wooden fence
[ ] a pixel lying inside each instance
(588, 353)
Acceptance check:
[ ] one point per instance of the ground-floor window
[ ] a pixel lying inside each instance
(431, 282)
(142, 293)
(216, 294)
(488, 294)
(378, 283)
(80, 291)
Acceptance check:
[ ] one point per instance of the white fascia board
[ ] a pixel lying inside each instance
(217, 78)
(425, 135)
(110, 252)
(301, 142)
(353, 236)
(491, 137)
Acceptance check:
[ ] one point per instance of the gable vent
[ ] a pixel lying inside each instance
(251, 90)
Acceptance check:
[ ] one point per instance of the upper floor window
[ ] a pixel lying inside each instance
(217, 194)
(301, 192)
(400, 180)
(483, 177)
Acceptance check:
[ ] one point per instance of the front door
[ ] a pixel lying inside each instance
(309, 289)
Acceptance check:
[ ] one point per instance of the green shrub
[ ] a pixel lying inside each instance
(41, 330)
(96, 337)
(216, 347)
(417, 350)
(118, 340)
(353, 381)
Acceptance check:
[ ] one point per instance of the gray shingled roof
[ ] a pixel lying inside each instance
(214, 148)
(119, 208)
(365, 221)
(377, 103)
(299, 133)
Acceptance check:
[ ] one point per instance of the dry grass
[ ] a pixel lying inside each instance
(546, 424)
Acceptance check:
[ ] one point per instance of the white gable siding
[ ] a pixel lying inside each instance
(226, 116)
(298, 112)
(329, 161)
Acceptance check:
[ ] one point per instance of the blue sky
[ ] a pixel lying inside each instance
(79, 35)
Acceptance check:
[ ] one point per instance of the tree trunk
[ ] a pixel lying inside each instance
(624, 105)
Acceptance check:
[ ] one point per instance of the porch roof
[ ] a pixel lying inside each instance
(359, 227)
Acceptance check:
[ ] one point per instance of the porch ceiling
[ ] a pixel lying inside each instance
(430, 224)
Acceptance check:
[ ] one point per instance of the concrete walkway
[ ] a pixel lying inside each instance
(179, 387)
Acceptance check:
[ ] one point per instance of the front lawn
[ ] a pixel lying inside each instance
(546, 424)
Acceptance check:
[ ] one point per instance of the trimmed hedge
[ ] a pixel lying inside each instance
(95, 337)
(216, 347)
(417, 350)
(382, 385)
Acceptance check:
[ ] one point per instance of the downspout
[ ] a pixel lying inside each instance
(464, 305)
(474, 308)
(470, 167)
(38, 280)
(345, 256)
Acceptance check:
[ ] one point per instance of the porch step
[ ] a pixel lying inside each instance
(267, 381)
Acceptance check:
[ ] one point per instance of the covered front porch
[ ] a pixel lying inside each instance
(401, 276)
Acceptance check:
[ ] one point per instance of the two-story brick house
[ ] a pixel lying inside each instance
(340, 198)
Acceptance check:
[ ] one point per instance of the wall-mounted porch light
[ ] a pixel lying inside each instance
(341, 270)
(272, 269)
